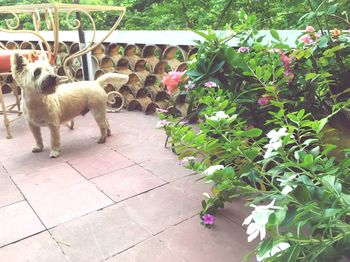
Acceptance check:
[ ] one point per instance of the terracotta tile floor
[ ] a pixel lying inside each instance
(126, 200)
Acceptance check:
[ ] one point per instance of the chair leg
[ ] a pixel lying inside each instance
(6, 120)
(18, 101)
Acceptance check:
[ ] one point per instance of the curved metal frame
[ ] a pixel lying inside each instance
(52, 21)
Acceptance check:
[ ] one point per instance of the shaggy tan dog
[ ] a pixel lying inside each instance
(45, 103)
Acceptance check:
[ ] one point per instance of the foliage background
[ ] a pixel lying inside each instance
(204, 14)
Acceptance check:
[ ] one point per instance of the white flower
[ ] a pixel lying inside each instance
(210, 170)
(277, 135)
(162, 123)
(271, 147)
(274, 250)
(187, 159)
(275, 141)
(285, 182)
(260, 216)
(218, 116)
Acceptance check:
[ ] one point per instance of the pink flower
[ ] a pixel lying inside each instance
(309, 29)
(243, 49)
(287, 69)
(317, 35)
(208, 219)
(306, 39)
(172, 80)
(210, 84)
(285, 59)
(263, 101)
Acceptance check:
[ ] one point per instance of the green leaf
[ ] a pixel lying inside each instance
(321, 125)
(279, 72)
(302, 194)
(332, 9)
(328, 148)
(202, 34)
(275, 35)
(308, 160)
(265, 246)
(323, 41)
(329, 180)
(217, 67)
(310, 76)
(331, 212)
(253, 132)
(252, 153)
(292, 254)
(259, 71)
(346, 198)
(267, 75)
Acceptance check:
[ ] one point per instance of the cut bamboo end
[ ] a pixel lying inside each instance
(27, 45)
(11, 45)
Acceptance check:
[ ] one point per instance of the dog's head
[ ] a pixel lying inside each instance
(39, 77)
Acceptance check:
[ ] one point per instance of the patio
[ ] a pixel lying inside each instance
(126, 200)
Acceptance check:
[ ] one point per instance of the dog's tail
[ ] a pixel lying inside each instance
(115, 79)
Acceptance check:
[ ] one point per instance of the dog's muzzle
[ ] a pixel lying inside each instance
(48, 86)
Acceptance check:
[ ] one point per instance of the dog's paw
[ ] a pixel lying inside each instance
(37, 149)
(102, 140)
(54, 153)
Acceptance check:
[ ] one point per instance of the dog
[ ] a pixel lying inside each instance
(46, 103)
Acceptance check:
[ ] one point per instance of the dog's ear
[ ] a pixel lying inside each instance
(18, 63)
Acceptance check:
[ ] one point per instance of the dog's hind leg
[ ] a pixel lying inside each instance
(108, 128)
(38, 139)
(101, 120)
(55, 141)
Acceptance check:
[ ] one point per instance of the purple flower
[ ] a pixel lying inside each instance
(189, 86)
(210, 84)
(243, 49)
(208, 219)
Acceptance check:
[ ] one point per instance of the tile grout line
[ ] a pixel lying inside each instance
(30, 206)
(24, 238)
(156, 237)
(13, 203)
(25, 199)
(113, 202)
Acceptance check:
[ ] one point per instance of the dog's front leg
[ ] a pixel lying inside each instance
(38, 139)
(55, 140)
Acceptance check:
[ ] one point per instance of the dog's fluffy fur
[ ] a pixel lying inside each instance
(45, 103)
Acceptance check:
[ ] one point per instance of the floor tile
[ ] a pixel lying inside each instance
(165, 206)
(236, 211)
(167, 167)
(127, 182)
(153, 250)
(9, 193)
(37, 248)
(99, 235)
(18, 221)
(59, 194)
(100, 162)
(224, 242)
